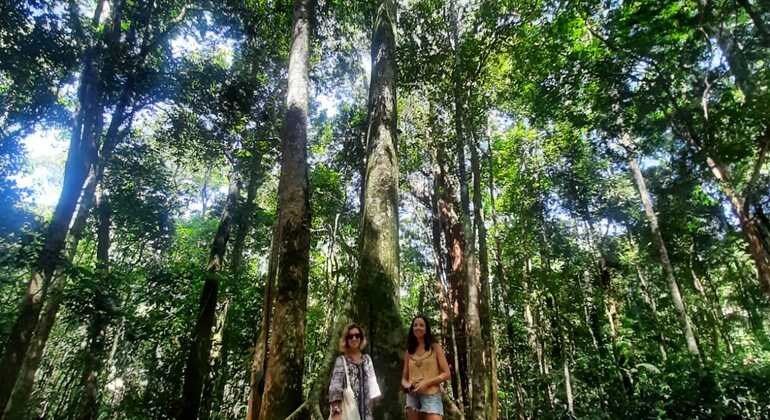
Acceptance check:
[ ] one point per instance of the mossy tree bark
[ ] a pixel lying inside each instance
(375, 294)
(285, 365)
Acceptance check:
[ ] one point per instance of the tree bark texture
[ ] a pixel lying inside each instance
(285, 366)
(375, 294)
(259, 360)
(484, 302)
(457, 267)
(197, 368)
(471, 288)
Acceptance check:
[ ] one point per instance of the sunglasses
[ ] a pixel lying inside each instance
(356, 335)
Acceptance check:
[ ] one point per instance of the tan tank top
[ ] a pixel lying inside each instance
(424, 367)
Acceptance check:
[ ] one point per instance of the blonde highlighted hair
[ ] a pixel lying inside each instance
(343, 344)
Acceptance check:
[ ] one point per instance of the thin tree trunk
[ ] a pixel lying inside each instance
(444, 298)
(205, 191)
(378, 272)
(652, 219)
(568, 386)
(748, 224)
(47, 317)
(259, 361)
(245, 215)
(87, 126)
(457, 267)
(94, 351)
(471, 288)
(213, 391)
(197, 367)
(215, 381)
(487, 335)
(650, 301)
(285, 366)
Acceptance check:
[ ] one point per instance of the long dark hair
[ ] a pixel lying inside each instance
(411, 340)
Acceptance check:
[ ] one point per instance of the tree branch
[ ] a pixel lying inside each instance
(764, 141)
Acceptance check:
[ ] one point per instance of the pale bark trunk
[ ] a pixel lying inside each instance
(197, 368)
(205, 191)
(285, 366)
(568, 388)
(668, 269)
(378, 273)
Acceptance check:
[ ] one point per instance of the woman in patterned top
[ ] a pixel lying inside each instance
(360, 371)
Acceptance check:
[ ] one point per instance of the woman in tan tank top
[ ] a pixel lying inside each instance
(425, 368)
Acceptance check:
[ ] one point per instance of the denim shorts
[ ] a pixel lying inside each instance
(430, 404)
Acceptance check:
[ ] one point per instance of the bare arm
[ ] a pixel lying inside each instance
(405, 372)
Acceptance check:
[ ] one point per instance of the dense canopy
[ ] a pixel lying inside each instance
(196, 195)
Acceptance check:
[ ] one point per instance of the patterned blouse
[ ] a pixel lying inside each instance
(362, 380)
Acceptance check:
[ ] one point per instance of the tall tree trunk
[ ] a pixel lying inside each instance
(285, 366)
(442, 286)
(197, 367)
(457, 269)
(94, 350)
(649, 299)
(568, 385)
(245, 215)
(213, 391)
(47, 317)
(487, 334)
(471, 288)
(215, 382)
(378, 272)
(87, 127)
(668, 269)
(259, 360)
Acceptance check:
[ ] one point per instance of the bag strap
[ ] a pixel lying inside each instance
(347, 379)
